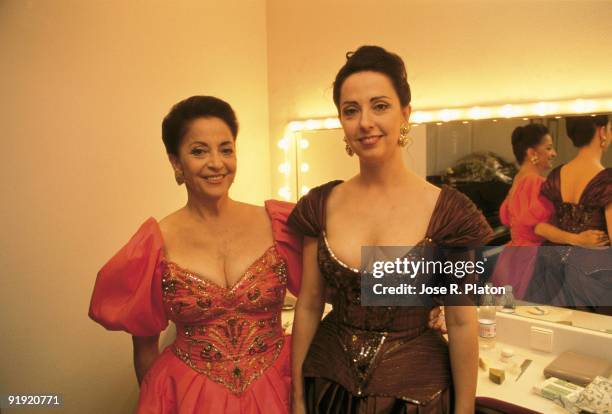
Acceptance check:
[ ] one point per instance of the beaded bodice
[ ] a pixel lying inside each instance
(363, 330)
(576, 218)
(589, 212)
(231, 335)
(345, 285)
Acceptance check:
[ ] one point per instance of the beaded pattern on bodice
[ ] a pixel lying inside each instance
(364, 329)
(345, 283)
(589, 212)
(576, 218)
(231, 335)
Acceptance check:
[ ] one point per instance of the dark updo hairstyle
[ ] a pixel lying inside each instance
(581, 129)
(525, 137)
(374, 59)
(176, 123)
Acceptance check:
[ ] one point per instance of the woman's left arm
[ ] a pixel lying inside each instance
(462, 325)
(146, 352)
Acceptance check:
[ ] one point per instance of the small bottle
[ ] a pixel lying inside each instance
(507, 300)
(487, 329)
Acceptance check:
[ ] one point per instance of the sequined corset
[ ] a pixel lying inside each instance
(231, 335)
(366, 333)
(576, 218)
(345, 284)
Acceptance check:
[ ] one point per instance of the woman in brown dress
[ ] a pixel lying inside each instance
(378, 359)
(581, 193)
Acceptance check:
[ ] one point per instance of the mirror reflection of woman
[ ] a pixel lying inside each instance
(217, 268)
(378, 359)
(526, 212)
(581, 193)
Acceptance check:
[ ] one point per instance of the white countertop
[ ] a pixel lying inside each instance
(517, 392)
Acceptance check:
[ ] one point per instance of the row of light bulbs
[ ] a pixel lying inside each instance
(285, 167)
(575, 106)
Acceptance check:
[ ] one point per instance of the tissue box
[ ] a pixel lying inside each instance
(577, 368)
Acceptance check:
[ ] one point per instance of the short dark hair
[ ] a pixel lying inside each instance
(374, 59)
(581, 129)
(525, 137)
(176, 123)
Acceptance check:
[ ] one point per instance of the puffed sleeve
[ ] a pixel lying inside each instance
(459, 230)
(457, 222)
(289, 243)
(127, 295)
(601, 189)
(504, 214)
(307, 218)
(532, 206)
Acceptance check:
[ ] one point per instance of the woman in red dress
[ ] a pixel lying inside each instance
(526, 212)
(222, 286)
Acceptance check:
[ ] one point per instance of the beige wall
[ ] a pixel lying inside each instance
(457, 53)
(84, 86)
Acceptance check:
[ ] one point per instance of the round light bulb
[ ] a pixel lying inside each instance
(284, 192)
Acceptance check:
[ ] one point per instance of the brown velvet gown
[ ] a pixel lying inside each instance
(570, 275)
(380, 359)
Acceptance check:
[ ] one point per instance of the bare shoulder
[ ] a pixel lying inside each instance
(431, 190)
(342, 194)
(251, 213)
(172, 221)
(247, 208)
(426, 192)
(580, 170)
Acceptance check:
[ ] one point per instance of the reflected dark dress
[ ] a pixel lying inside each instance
(571, 275)
(379, 359)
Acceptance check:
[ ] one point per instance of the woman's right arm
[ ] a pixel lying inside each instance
(146, 351)
(308, 311)
(588, 238)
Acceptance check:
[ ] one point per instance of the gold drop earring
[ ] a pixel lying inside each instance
(348, 148)
(179, 177)
(534, 160)
(404, 139)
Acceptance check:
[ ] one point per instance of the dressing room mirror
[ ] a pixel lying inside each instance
(435, 149)
(448, 142)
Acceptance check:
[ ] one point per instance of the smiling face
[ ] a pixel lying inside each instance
(207, 158)
(545, 152)
(371, 115)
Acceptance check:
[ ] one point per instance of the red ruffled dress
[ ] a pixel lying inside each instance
(230, 354)
(521, 212)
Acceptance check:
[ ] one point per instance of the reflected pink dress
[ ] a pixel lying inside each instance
(230, 354)
(521, 212)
